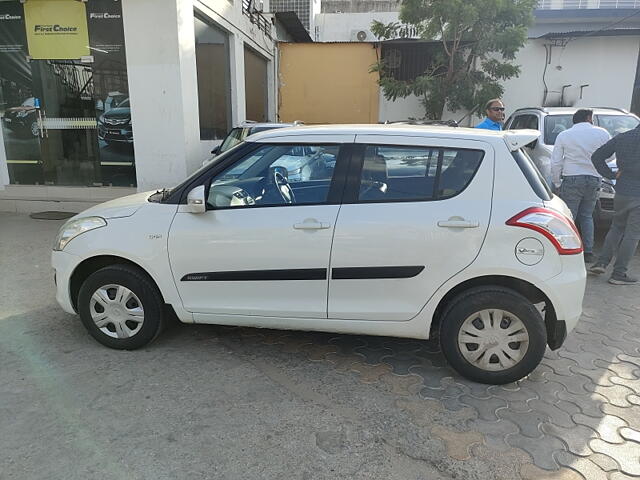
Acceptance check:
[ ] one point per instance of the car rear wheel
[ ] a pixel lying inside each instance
(35, 128)
(493, 335)
(121, 307)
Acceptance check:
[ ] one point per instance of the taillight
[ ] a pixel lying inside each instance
(560, 230)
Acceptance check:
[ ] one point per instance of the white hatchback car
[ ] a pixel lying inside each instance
(405, 231)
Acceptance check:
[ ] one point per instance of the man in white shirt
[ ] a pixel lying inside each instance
(574, 174)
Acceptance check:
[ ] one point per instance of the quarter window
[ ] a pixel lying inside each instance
(276, 175)
(415, 173)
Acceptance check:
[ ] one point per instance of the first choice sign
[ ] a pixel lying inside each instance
(56, 29)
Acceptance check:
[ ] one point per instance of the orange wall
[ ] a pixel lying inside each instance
(328, 83)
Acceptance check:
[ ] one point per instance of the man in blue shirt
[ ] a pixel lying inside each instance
(495, 115)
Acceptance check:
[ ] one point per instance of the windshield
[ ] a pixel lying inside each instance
(29, 102)
(616, 124)
(553, 125)
(124, 103)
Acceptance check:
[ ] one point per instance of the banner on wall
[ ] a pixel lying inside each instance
(56, 29)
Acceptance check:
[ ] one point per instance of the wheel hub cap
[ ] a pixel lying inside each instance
(116, 311)
(493, 340)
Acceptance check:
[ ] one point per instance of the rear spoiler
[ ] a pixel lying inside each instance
(516, 139)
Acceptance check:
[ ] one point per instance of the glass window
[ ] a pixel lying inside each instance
(255, 80)
(276, 175)
(554, 125)
(214, 91)
(532, 174)
(415, 173)
(234, 138)
(616, 124)
(522, 122)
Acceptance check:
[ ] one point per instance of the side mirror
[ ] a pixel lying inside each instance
(196, 202)
(216, 150)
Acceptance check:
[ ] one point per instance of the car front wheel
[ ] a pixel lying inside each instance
(493, 335)
(121, 307)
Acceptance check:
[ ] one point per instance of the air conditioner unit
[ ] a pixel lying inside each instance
(361, 36)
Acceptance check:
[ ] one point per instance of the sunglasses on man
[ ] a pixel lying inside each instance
(497, 109)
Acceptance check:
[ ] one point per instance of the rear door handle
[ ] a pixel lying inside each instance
(458, 224)
(311, 224)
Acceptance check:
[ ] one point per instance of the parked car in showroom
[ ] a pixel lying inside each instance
(23, 119)
(550, 121)
(114, 126)
(418, 232)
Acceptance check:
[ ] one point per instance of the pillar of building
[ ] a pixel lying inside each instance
(163, 90)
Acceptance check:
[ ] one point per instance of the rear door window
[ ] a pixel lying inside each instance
(403, 173)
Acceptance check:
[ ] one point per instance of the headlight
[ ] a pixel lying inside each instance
(101, 119)
(73, 228)
(607, 188)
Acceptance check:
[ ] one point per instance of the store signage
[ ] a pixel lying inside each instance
(56, 29)
(8, 16)
(104, 16)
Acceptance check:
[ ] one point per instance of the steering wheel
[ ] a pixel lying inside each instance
(280, 178)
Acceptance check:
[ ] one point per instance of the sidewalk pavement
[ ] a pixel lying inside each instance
(219, 402)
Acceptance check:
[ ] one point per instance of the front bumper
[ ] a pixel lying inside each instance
(122, 134)
(63, 265)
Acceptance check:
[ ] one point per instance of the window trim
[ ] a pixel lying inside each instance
(354, 176)
(336, 185)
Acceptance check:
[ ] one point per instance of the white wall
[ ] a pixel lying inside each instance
(606, 64)
(339, 27)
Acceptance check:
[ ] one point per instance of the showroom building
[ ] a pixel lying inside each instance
(101, 98)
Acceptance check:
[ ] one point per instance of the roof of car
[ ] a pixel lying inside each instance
(511, 137)
(572, 110)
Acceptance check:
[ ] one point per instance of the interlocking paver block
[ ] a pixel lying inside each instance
(540, 450)
(528, 422)
(630, 434)
(346, 344)
(555, 414)
(342, 362)
(616, 395)
(373, 355)
(574, 384)
(370, 373)
(559, 365)
(633, 359)
(631, 415)
(626, 454)
(584, 358)
(605, 462)
(547, 391)
(634, 399)
(631, 384)
(607, 426)
(516, 395)
(432, 376)
(477, 390)
(401, 362)
(458, 443)
(620, 369)
(601, 376)
(486, 408)
(318, 353)
(531, 472)
(589, 404)
(587, 468)
(577, 438)
(569, 407)
(495, 433)
(402, 385)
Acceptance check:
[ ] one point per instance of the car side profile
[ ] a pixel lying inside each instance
(405, 231)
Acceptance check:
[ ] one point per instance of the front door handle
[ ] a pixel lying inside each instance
(458, 222)
(311, 224)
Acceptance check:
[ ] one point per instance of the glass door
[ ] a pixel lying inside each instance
(66, 121)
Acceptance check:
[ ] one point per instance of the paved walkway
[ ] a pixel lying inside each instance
(217, 402)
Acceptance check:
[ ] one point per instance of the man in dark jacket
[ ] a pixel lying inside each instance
(624, 234)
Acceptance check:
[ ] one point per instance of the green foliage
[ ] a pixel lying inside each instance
(476, 42)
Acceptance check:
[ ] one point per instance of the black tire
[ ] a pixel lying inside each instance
(142, 287)
(489, 298)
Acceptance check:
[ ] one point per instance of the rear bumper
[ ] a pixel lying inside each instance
(566, 292)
